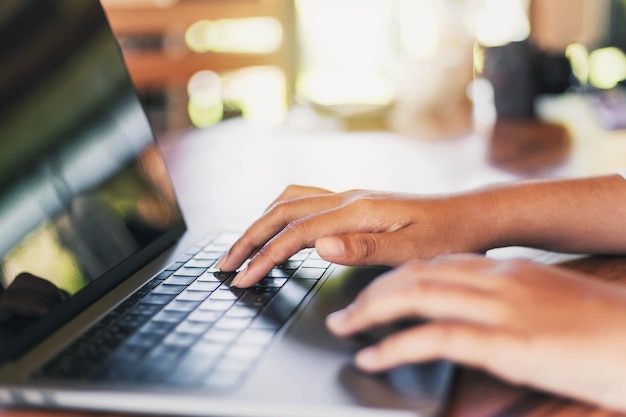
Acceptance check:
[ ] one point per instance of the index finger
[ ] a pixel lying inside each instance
(303, 233)
(273, 222)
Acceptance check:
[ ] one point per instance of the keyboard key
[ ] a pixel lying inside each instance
(164, 274)
(174, 266)
(208, 277)
(224, 295)
(290, 264)
(315, 255)
(280, 273)
(143, 341)
(257, 297)
(158, 364)
(184, 258)
(128, 354)
(182, 306)
(169, 289)
(210, 255)
(271, 282)
(205, 316)
(216, 305)
(316, 263)
(174, 317)
(182, 340)
(210, 348)
(206, 256)
(309, 273)
(159, 328)
(189, 272)
(131, 322)
(121, 363)
(179, 280)
(204, 286)
(199, 263)
(300, 256)
(193, 368)
(256, 337)
(157, 299)
(154, 282)
(193, 327)
(188, 295)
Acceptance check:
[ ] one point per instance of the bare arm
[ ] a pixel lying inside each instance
(579, 216)
(365, 227)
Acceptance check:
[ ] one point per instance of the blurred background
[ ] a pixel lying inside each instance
(426, 68)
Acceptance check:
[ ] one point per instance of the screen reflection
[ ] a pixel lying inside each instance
(82, 185)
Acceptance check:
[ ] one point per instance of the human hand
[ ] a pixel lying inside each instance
(351, 228)
(29, 296)
(545, 327)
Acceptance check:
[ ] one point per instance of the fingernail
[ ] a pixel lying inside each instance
(331, 247)
(221, 262)
(238, 278)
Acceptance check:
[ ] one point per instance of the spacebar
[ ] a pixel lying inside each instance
(284, 303)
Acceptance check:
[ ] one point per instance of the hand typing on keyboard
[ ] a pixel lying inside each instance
(376, 228)
(546, 327)
(349, 228)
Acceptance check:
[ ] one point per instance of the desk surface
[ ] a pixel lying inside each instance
(258, 164)
(235, 163)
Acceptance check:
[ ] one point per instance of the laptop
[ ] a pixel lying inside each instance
(109, 303)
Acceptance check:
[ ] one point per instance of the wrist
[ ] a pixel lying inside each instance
(483, 222)
(502, 215)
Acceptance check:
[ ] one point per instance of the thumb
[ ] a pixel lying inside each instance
(360, 249)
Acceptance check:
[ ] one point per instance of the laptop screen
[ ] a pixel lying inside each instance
(83, 187)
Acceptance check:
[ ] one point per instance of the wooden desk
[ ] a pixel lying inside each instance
(235, 164)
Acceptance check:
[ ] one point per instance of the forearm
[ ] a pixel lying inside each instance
(578, 216)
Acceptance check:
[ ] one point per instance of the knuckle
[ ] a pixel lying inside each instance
(362, 206)
(443, 338)
(298, 227)
(267, 253)
(423, 289)
(500, 313)
(278, 208)
(293, 190)
(367, 245)
(353, 193)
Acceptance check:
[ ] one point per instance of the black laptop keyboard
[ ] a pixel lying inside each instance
(187, 326)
